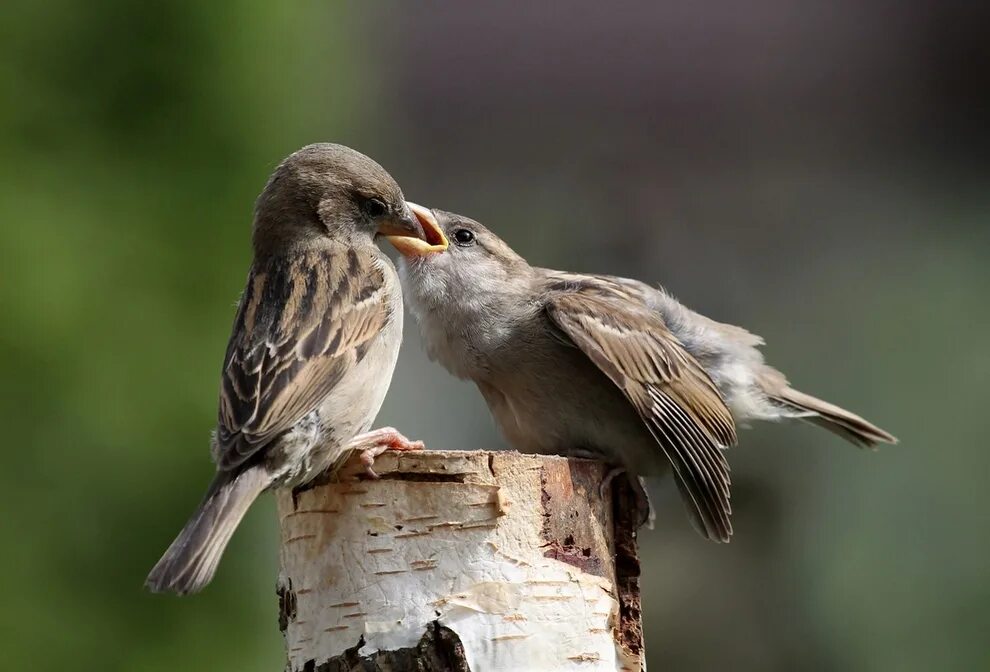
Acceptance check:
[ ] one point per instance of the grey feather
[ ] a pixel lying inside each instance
(603, 366)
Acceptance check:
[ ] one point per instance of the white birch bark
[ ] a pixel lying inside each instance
(512, 555)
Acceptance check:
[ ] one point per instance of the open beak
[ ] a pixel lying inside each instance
(411, 245)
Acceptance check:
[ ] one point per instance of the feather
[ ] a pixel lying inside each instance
(299, 329)
(672, 393)
(837, 420)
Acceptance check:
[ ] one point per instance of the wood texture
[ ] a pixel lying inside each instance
(461, 561)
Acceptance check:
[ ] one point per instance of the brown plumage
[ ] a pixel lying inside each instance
(839, 421)
(602, 366)
(673, 395)
(287, 352)
(312, 348)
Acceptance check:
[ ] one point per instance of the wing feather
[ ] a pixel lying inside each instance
(676, 399)
(302, 324)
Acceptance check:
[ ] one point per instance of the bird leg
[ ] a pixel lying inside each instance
(644, 507)
(609, 477)
(645, 513)
(374, 443)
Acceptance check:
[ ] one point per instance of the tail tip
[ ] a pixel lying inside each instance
(164, 578)
(878, 437)
(176, 585)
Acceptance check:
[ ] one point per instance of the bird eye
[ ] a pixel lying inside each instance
(464, 237)
(374, 207)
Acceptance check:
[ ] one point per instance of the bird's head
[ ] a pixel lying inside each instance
(327, 190)
(458, 266)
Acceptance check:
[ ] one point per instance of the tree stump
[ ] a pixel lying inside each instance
(457, 561)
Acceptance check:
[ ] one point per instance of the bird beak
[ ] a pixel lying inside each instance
(430, 242)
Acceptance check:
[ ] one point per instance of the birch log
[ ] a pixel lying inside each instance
(457, 561)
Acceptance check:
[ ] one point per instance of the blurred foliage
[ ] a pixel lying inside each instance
(826, 217)
(135, 138)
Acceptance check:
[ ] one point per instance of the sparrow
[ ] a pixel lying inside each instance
(312, 350)
(600, 366)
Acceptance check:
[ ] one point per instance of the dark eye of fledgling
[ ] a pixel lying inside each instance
(464, 237)
(374, 207)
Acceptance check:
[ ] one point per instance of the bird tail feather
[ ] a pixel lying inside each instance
(838, 420)
(191, 561)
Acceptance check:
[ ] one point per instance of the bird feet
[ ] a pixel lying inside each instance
(609, 477)
(374, 443)
(645, 514)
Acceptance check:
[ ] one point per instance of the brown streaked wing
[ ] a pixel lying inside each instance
(299, 329)
(672, 393)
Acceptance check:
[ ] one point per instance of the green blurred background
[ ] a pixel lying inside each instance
(817, 171)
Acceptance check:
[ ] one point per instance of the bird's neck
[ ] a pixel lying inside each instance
(288, 240)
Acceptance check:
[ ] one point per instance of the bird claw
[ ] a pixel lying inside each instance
(645, 513)
(381, 440)
(609, 477)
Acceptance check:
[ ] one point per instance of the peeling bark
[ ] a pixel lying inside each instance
(286, 604)
(629, 635)
(438, 650)
(461, 561)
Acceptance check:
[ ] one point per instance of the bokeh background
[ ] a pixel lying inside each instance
(817, 171)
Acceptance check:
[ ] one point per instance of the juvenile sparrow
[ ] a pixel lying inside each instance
(313, 346)
(599, 366)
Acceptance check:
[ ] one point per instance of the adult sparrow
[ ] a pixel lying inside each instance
(313, 346)
(600, 366)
